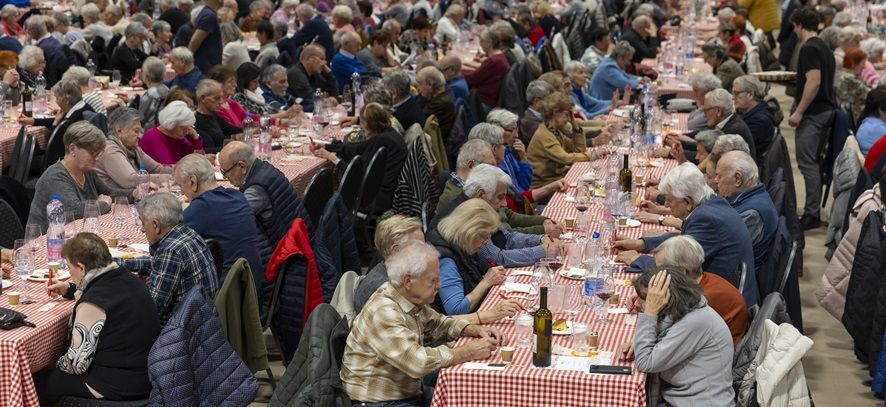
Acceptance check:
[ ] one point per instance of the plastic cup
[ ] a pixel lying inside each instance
(507, 354)
(14, 297)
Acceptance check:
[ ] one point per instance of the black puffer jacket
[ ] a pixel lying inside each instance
(863, 294)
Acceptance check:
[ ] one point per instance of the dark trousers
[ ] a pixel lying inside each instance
(810, 138)
(53, 384)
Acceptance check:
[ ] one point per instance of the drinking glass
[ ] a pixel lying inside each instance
(544, 270)
(523, 330)
(603, 294)
(8, 112)
(121, 211)
(91, 213)
(23, 262)
(72, 227)
(32, 238)
(556, 293)
(580, 339)
(115, 78)
(572, 301)
(582, 203)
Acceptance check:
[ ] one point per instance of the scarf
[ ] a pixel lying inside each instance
(130, 153)
(254, 97)
(653, 380)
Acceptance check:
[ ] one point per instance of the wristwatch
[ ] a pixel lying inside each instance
(661, 219)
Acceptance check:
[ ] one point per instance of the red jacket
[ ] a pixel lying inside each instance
(874, 154)
(297, 243)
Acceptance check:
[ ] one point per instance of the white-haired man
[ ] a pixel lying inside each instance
(706, 217)
(187, 75)
(385, 354)
(345, 63)
(719, 111)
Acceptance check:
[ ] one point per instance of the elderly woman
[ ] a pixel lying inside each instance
(725, 67)
(589, 106)
(91, 95)
(683, 344)
(151, 78)
(874, 48)
(701, 83)
(212, 128)
(128, 56)
(9, 20)
(31, 62)
(376, 123)
(72, 179)
(247, 84)
(464, 280)
(231, 111)
(122, 158)
(71, 108)
(487, 78)
(162, 43)
(375, 56)
(515, 163)
(748, 93)
(342, 16)
(234, 53)
(448, 28)
(115, 324)
(10, 86)
(849, 88)
(174, 135)
(558, 143)
(850, 38)
(610, 76)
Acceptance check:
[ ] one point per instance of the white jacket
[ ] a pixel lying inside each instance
(778, 368)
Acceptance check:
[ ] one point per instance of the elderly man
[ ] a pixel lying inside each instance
(93, 26)
(275, 87)
(610, 75)
(128, 57)
(267, 190)
(310, 73)
(536, 91)
(719, 111)
(216, 213)
(643, 37)
(448, 27)
(113, 17)
(187, 76)
(179, 257)
(206, 43)
(710, 220)
(211, 127)
(314, 29)
(57, 59)
(345, 63)
(738, 182)
(63, 31)
(684, 253)
(487, 79)
(450, 65)
(407, 109)
(392, 27)
(514, 162)
(437, 98)
(385, 355)
(701, 83)
(748, 93)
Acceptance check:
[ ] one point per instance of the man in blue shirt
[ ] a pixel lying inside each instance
(611, 76)
(187, 76)
(206, 43)
(345, 63)
(216, 213)
(451, 68)
(275, 87)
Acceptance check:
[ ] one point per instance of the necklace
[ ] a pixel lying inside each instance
(80, 180)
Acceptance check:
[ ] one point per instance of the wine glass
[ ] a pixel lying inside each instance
(91, 213)
(604, 293)
(582, 203)
(115, 78)
(573, 301)
(23, 263)
(121, 209)
(32, 238)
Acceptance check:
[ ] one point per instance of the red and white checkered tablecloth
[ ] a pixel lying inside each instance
(298, 168)
(521, 384)
(8, 133)
(27, 350)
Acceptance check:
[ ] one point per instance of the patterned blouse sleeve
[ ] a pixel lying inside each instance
(85, 333)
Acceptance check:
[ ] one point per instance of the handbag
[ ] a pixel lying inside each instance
(10, 319)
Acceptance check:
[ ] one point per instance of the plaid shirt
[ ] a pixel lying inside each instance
(384, 358)
(179, 261)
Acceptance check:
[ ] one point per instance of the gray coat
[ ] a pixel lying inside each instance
(845, 173)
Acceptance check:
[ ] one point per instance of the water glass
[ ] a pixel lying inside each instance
(572, 301)
(33, 235)
(580, 339)
(23, 263)
(556, 294)
(523, 330)
(115, 78)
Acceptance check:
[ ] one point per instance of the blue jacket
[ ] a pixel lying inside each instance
(187, 81)
(608, 77)
(57, 60)
(459, 88)
(335, 240)
(761, 123)
(276, 101)
(283, 203)
(591, 107)
(520, 173)
(315, 30)
(725, 239)
(344, 66)
(192, 363)
(757, 200)
(512, 249)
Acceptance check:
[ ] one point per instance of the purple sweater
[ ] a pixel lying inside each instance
(167, 150)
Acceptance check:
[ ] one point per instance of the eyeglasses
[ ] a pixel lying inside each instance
(225, 172)
(708, 109)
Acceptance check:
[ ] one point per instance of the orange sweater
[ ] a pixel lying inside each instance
(724, 298)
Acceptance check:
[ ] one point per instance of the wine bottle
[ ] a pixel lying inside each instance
(626, 176)
(542, 324)
(27, 102)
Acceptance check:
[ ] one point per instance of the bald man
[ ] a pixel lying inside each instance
(451, 68)
(310, 73)
(345, 63)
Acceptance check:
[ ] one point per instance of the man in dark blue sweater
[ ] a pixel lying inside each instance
(220, 214)
(314, 29)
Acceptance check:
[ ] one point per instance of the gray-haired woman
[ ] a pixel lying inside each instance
(122, 158)
(681, 342)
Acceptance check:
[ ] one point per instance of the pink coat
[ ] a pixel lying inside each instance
(831, 291)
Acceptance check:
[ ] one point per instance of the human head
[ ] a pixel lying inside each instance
(725, 32)
(234, 161)
(507, 121)
(424, 28)
(351, 42)
(536, 92)
(713, 54)
(473, 153)
(831, 36)
(455, 13)
(730, 142)
(622, 53)
(378, 94)
(854, 60)
(682, 252)
(31, 59)
(159, 213)
(342, 15)
(210, 96)
(274, 77)
(175, 120)
(850, 37)
(875, 104)
(35, 27)
(181, 59)
(399, 83)
(392, 26)
(702, 83)
(492, 134)
(162, 31)
(431, 82)
(718, 106)
(451, 66)
(736, 172)
(230, 32)
(248, 75)
(704, 142)
(135, 34)
(79, 75)
(313, 58)
(599, 36)
(393, 232)
(414, 271)
(84, 144)
(83, 253)
(226, 77)
(488, 183)
(178, 94)
(725, 15)
(124, 123)
(684, 188)
(747, 92)
(264, 31)
(378, 43)
(685, 293)
(841, 19)
(143, 19)
(577, 73)
(9, 13)
(470, 225)
(490, 41)
(505, 34)
(806, 19)
(874, 48)
(112, 15)
(641, 25)
(67, 94)
(193, 174)
(304, 12)
(8, 60)
(374, 118)
(558, 81)
(556, 110)
(90, 13)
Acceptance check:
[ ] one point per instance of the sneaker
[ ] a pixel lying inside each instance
(809, 222)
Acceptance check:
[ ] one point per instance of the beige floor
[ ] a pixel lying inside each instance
(833, 374)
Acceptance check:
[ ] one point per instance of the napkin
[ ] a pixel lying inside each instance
(618, 310)
(516, 287)
(521, 273)
(142, 247)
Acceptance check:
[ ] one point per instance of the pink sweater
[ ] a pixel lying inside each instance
(234, 114)
(167, 150)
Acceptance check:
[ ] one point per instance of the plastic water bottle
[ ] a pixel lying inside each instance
(264, 139)
(55, 233)
(90, 66)
(141, 180)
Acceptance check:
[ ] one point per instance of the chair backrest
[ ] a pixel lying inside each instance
(319, 191)
(427, 213)
(16, 195)
(12, 227)
(22, 155)
(787, 268)
(98, 120)
(349, 187)
(218, 255)
(19, 139)
(778, 262)
(742, 274)
(372, 179)
(55, 148)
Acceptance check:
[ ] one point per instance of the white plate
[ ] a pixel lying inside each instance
(7, 284)
(631, 223)
(40, 275)
(573, 273)
(568, 330)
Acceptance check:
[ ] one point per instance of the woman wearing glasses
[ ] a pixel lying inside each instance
(73, 178)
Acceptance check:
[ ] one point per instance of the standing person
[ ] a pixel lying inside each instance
(206, 43)
(814, 108)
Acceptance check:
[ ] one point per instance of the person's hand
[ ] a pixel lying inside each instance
(654, 208)
(520, 150)
(795, 118)
(483, 332)
(551, 246)
(552, 229)
(479, 349)
(104, 198)
(11, 78)
(495, 275)
(57, 289)
(192, 133)
(122, 96)
(678, 153)
(6, 255)
(629, 244)
(323, 153)
(294, 110)
(626, 351)
(627, 256)
(506, 308)
(652, 193)
(603, 138)
(658, 293)
(652, 181)
(646, 217)
(28, 121)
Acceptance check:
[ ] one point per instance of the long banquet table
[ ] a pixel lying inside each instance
(521, 384)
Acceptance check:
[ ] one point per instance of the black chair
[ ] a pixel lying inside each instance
(98, 120)
(22, 155)
(218, 256)
(317, 193)
(349, 187)
(427, 213)
(16, 195)
(70, 401)
(12, 227)
(372, 181)
(787, 268)
(737, 279)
